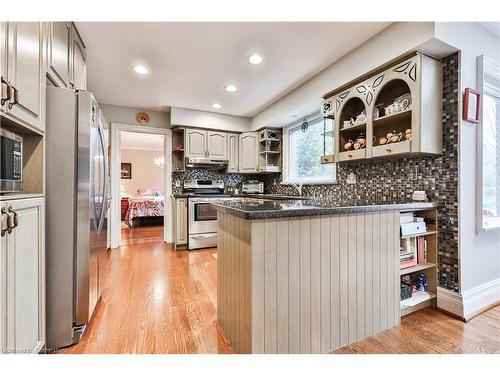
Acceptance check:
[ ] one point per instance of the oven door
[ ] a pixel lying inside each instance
(202, 216)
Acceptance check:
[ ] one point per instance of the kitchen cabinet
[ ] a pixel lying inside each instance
(181, 222)
(196, 143)
(66, 56)
(205, 144)
(78, 61)
(249, 152)
(232, 152)
(401, 103)
(22, 278)
(22, 72)
(58, 53)
(216, 145)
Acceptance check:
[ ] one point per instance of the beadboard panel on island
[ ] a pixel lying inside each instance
(307, 284)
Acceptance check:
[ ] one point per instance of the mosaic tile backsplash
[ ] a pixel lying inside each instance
(393, 181)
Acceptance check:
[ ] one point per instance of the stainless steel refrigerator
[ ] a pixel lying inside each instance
(76, 199)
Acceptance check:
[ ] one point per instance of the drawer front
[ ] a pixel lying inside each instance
(392, 149)
(352, 155)
(327, 159)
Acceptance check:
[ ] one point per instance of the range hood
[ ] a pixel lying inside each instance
(206, 163)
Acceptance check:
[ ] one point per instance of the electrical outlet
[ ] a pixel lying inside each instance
(351, 178)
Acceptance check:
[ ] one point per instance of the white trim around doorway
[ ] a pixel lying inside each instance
(115, 143)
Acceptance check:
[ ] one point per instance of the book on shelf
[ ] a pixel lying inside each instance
(413, 251)
(421, 249)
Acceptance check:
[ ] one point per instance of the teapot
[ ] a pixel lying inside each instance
(349, 144)
(360, 142)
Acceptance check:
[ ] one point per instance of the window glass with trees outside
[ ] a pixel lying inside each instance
(304, 150)
(489, 198)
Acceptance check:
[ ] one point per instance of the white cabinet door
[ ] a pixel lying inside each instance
(3, 289)
(25, 274)
(3, 59)
(59, 45)
(78, 61)
(232, 153)
(248, 151)
(196, 143)
(181, 223)
(25, 71)
(216, 145)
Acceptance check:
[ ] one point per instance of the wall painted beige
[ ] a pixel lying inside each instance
(144, 173)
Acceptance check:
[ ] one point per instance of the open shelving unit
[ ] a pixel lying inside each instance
(402, 103)
(428, 268)
(270, 150)
(178, 163)
(351, 110)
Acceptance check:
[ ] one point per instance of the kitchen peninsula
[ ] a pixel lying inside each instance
(307, 276)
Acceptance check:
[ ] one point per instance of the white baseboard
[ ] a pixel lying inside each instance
(470, 302)
(450, 301)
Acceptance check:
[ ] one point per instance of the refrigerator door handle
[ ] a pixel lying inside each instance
(105, 180)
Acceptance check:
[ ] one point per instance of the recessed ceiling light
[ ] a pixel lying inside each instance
(255, 59)
(141, 69)
(230, 88)
(216, 105)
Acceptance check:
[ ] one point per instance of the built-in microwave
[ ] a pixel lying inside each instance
(11, 162)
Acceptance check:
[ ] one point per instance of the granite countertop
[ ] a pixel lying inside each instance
(253, 208)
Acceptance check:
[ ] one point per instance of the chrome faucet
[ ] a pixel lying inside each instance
(298, 186)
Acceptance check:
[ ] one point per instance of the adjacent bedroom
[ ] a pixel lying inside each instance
(142, 185)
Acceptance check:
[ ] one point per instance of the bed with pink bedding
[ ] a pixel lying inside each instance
(144, 205)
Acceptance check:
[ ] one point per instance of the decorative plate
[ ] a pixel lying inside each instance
(142, 118)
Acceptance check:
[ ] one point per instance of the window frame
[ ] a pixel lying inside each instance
(485, 67)
(286, 180)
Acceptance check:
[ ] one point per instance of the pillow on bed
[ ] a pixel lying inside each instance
(148, 193)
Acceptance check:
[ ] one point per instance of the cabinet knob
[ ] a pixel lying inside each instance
(349, 156)
(388, 149)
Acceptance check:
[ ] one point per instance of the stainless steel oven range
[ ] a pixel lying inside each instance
(202, 226)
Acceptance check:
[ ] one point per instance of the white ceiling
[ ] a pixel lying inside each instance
(190, 62)
(141, 141)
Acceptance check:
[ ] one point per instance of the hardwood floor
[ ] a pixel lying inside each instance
(162, 301)
(430, 331)
(158, 300)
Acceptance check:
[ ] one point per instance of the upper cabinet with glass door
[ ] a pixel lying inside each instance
(395, 112)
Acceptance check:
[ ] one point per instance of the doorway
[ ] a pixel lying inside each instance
(140, 183)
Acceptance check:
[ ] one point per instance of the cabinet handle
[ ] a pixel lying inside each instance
(4, 222)
(349, 156)
(12, 219)
(388, 150)
(71, 85)
(16, 218)
(16, 98)
(8, 92)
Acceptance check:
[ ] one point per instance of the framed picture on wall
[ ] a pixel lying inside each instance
(472, 105)
(126, 171)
